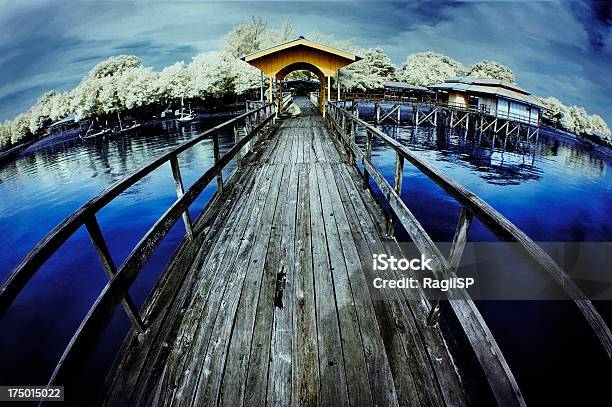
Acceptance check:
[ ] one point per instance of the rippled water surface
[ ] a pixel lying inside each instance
(555, 190)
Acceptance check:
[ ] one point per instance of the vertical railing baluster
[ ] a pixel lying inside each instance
(180, 191)
(397, 187)
(352, 138)
(454, 258)
(217, 156)
(367, 158)
(97, 239)
(236, 141)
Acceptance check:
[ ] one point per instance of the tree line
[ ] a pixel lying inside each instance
(123, 83)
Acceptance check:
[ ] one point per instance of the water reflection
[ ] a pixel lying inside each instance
(555, 188)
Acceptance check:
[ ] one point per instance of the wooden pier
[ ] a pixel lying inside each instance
(269, 298)
(425, 110)
(276, 306)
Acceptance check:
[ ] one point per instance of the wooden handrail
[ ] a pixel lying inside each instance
(83, 342)
(496, 369)
(494, 220)
(19, 277)
(502, 381)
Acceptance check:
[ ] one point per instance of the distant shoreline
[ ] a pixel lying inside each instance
(14, 152)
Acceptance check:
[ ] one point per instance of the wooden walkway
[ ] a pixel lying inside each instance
(277, 307)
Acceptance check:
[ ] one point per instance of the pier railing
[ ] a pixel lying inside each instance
(121, 279)
(345, 125)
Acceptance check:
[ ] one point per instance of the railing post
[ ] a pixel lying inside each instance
(236, 141)
(397, 187)
(217, 156)
(97, 239)
(352, 137)
(180, 191)
(454, 258)
(367, 158)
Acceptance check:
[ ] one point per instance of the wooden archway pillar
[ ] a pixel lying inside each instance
(280, 96)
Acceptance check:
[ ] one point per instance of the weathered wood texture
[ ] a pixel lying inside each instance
(278, 307)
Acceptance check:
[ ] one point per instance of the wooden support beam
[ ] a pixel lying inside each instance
(368, 157)
(387, 114)
(97, 239)
(397, 187)
(338, 85)
(454, 258)
(180, 191)
(216, 156)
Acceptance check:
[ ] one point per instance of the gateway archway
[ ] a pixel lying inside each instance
(301, 54)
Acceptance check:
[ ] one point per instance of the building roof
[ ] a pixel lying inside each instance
(487, 86)
(404, 86)
(301, 41)
(69, 119)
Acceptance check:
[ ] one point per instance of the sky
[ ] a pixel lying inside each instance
(561, 49)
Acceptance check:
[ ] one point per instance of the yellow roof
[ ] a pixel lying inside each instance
(301, 41)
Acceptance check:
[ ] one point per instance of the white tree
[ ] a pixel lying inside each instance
(212, 74)
(138, 87)
(599, 125)
(84, 98)
(370, 73)
(5, 134)
(492, 70)
(428, 68)
(41, 111)
(20, 128)
(245, 38)
(255, 35)
(246, 77)
(174, 82)
(577, 120)
(114, 65)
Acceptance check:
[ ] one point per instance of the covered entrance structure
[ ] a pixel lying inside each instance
(297, 55)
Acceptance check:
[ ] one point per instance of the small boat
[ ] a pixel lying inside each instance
(123, 130)
(184, 117)
(95, 134)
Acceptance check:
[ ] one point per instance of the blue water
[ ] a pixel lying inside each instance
(555, 190)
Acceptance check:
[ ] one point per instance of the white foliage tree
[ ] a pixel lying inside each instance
(370, 73)
(114, 66)
(492, 70)
(599, 125)
(580, 122)
(138, 87)
(428, 68)
(174, 82)
(5, 134)
(212, 74)
(246, 77)
(20, 128)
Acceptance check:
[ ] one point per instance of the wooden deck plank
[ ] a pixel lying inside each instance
(379, 372)
(211, 370)
(333, 387)
(350, 333)
(196, 326)
(445, 367)
(143, 353)
(305, 353)
(257, 376)
(235, 375)
(281, 349)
